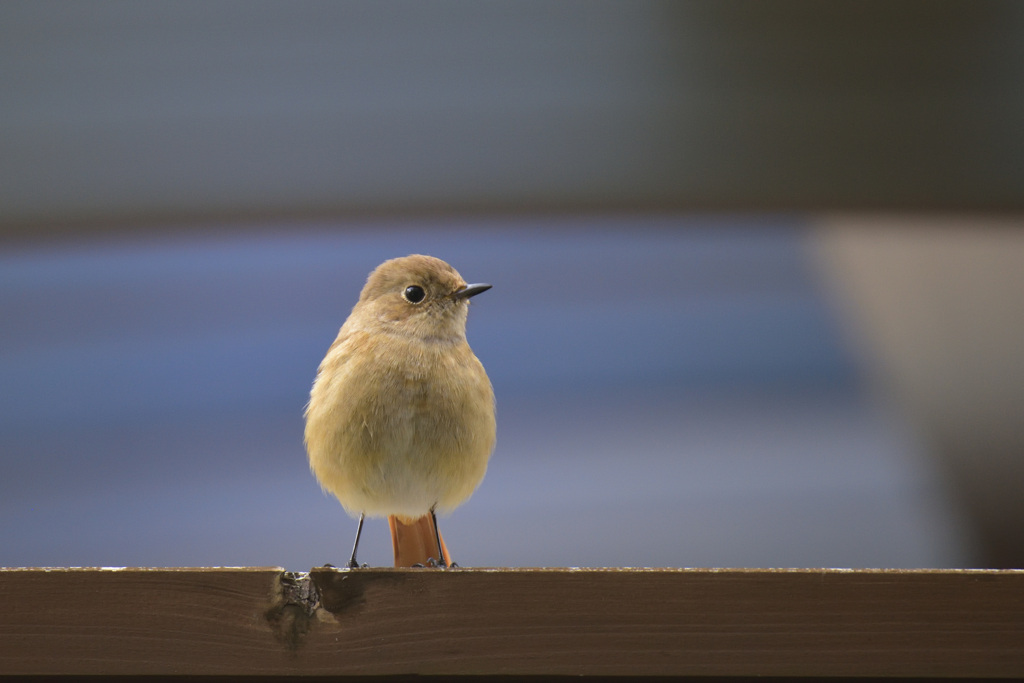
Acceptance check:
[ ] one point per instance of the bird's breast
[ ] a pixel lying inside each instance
(400, 424)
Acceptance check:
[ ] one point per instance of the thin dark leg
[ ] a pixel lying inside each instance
(441, 562)
(352, 564)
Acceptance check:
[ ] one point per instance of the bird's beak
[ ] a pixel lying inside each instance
(469, 290)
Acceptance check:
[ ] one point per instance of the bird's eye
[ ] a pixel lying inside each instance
(414, 294)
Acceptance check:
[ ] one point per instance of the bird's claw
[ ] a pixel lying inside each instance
(434, 564)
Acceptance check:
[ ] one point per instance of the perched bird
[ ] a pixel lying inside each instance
(400, 421)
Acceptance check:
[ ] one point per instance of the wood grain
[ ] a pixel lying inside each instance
(261, 621)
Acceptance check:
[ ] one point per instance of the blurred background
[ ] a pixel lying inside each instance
(758, 273)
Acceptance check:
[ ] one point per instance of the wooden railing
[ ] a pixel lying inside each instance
(486, 622)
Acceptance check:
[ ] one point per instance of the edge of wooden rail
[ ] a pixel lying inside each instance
(512, 622)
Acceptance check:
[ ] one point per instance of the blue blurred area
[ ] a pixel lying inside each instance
(671, 392)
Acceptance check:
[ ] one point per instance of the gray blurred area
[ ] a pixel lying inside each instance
(756, 272)
(934, 308)
(120, 114)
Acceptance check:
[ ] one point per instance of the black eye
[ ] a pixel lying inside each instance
(414, 294)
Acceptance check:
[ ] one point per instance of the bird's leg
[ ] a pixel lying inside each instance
(352, 564)
(441, 563)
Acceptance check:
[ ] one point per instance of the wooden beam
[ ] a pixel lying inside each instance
(263, 621)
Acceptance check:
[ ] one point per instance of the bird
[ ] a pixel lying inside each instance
(400, 421)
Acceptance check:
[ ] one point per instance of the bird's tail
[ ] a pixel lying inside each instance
(415, 542)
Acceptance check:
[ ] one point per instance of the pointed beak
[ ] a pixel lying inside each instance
(470, 290)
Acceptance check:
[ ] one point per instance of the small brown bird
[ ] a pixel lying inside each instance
(400, 421)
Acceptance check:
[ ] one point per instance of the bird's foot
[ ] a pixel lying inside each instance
(434, 564)
(441, 564)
